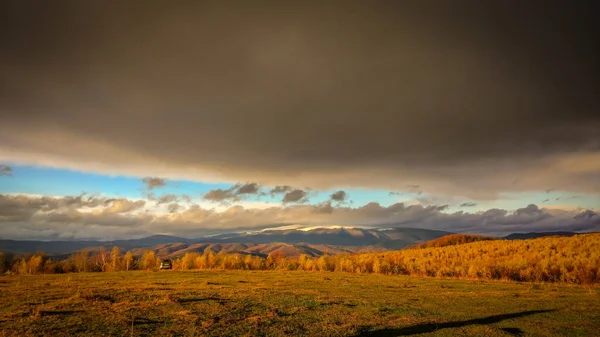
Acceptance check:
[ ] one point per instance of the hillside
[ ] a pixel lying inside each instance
(573, 259)
(551, 259)
(453, 239)
(256, 249)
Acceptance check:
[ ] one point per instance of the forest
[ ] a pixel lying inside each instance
(551, 259)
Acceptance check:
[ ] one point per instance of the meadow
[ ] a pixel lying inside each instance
(290, 303)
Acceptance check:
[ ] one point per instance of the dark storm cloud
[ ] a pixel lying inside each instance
(531, 209)
(339, 196)
(457, 97)
(219, 194)
(249, 188)
(236, 192)
(295, 196)
(280, 189)
(153, 182)
(587, 215)
(6, 170)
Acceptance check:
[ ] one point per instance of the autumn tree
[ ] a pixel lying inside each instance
(188, 260)
(21, 266)
(35, 264)
(322, 264)
(127, 262)
(80, 261)
(210, 258)
(248, 262)
(201, 262)
(115, 259)
(302, 262)
(101, 260)
(274, 259)
(149, 261)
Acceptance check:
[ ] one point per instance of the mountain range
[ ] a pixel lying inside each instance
(312, 242)
(289, 242)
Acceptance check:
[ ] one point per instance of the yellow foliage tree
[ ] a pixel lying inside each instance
(128, 261)
(149, 261)
(115, 259)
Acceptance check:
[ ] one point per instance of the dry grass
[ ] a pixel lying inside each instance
(277, 303)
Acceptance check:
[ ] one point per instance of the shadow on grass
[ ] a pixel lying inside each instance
(513, 331)
(98, 298)
(431, 327)
(143, 321)
(349, 305)
(200, 299)
(59, 312)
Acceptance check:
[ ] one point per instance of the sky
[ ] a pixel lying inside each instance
(122, 120)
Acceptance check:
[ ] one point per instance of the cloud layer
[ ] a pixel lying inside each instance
(29, 217)
(473, 100)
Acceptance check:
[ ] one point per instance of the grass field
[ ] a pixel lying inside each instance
(275, 303)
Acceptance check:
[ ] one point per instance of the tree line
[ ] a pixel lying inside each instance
(553, 259)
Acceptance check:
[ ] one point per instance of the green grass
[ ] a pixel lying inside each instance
(275, 303)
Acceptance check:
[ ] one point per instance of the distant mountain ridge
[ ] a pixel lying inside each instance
(65, 246)
(289, 242)
(535, 235)
(314, 240)
(344, 236)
